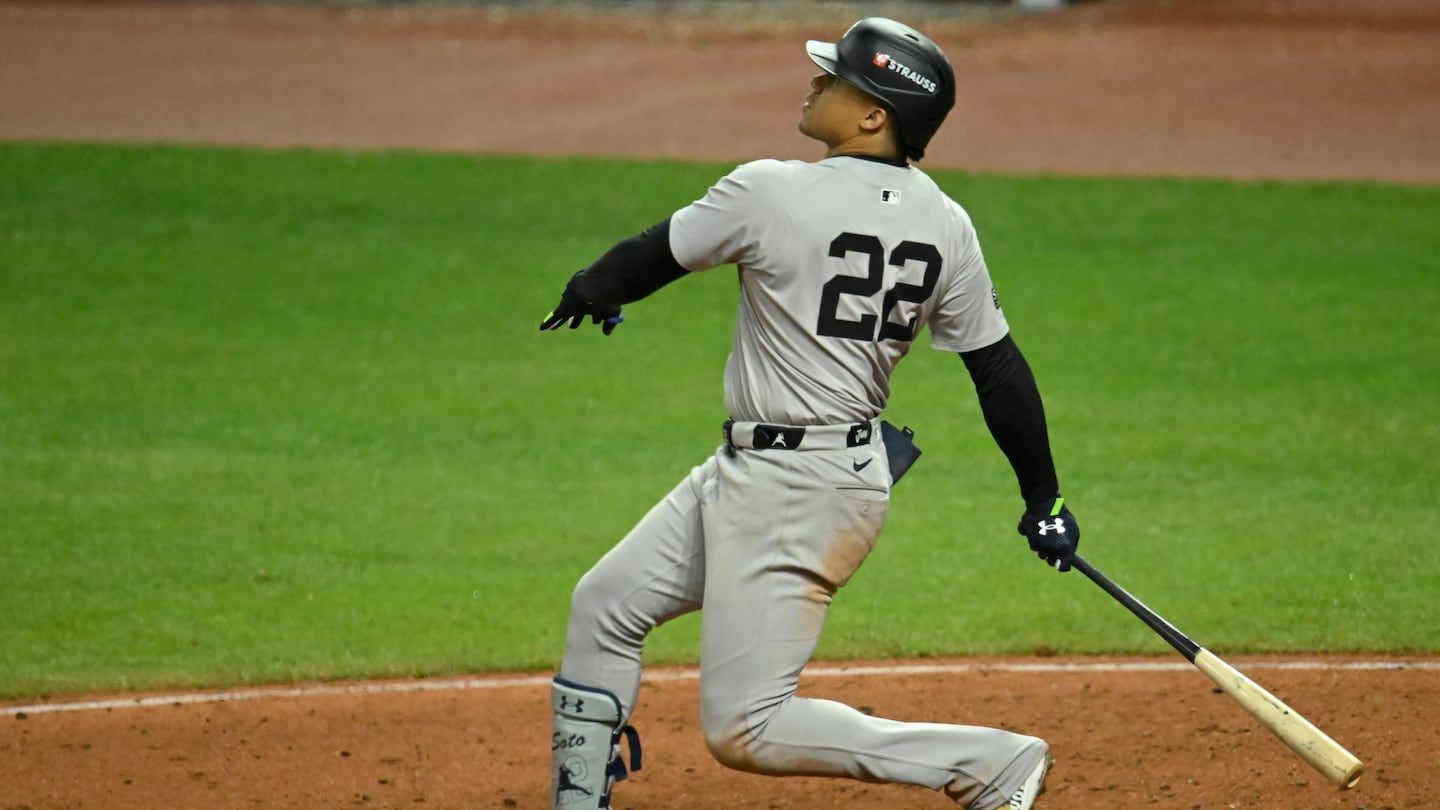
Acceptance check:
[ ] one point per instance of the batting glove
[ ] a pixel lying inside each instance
(573, 308)
(1052, 531)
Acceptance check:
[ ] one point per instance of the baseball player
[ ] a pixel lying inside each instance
(842, 263)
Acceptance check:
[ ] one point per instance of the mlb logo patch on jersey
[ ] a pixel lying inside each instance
(889, 196)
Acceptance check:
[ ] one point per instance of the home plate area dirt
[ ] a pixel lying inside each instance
(1267, 89)
(1133, 733)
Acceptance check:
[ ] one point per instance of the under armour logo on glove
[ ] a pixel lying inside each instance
(1052, 531)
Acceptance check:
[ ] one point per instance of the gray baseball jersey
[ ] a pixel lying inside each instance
(842, 262)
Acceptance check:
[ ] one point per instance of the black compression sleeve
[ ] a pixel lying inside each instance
(632, 269)
(1010, 401)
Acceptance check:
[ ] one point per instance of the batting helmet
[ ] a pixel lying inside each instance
(899, 66)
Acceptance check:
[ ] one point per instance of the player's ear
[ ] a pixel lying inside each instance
(878, 123)
(875, 119)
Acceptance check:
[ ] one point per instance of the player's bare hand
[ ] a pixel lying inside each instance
(574, 310)
(1052, 531)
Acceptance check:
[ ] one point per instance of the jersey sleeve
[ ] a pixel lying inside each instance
(968, 315)
(725, 225)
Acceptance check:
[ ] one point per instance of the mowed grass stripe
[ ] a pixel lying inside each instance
(276, 416)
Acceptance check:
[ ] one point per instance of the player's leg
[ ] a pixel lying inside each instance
(586, 760)
(790, 530)
(654, 574)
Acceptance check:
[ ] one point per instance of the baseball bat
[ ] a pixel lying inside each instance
(1313, 745)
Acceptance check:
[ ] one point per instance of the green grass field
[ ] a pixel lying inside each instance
(286, 415)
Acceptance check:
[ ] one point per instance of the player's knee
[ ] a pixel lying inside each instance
(587, 596)
(735, 737)
(598, 609)
(593, 597)
(732, 746)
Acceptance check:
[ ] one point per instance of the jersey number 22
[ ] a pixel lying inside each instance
(830, 324)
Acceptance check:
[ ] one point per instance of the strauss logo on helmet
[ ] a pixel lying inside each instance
(885, 60)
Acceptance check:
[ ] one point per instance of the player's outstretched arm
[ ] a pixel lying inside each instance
(1010, 402)
(632, 269)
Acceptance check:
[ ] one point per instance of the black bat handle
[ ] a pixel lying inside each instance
(1153, 620)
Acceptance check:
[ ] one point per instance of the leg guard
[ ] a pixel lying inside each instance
(585, 746)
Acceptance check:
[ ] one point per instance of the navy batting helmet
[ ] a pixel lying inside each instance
(899, 66)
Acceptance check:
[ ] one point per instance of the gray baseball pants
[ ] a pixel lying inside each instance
(762, 539)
